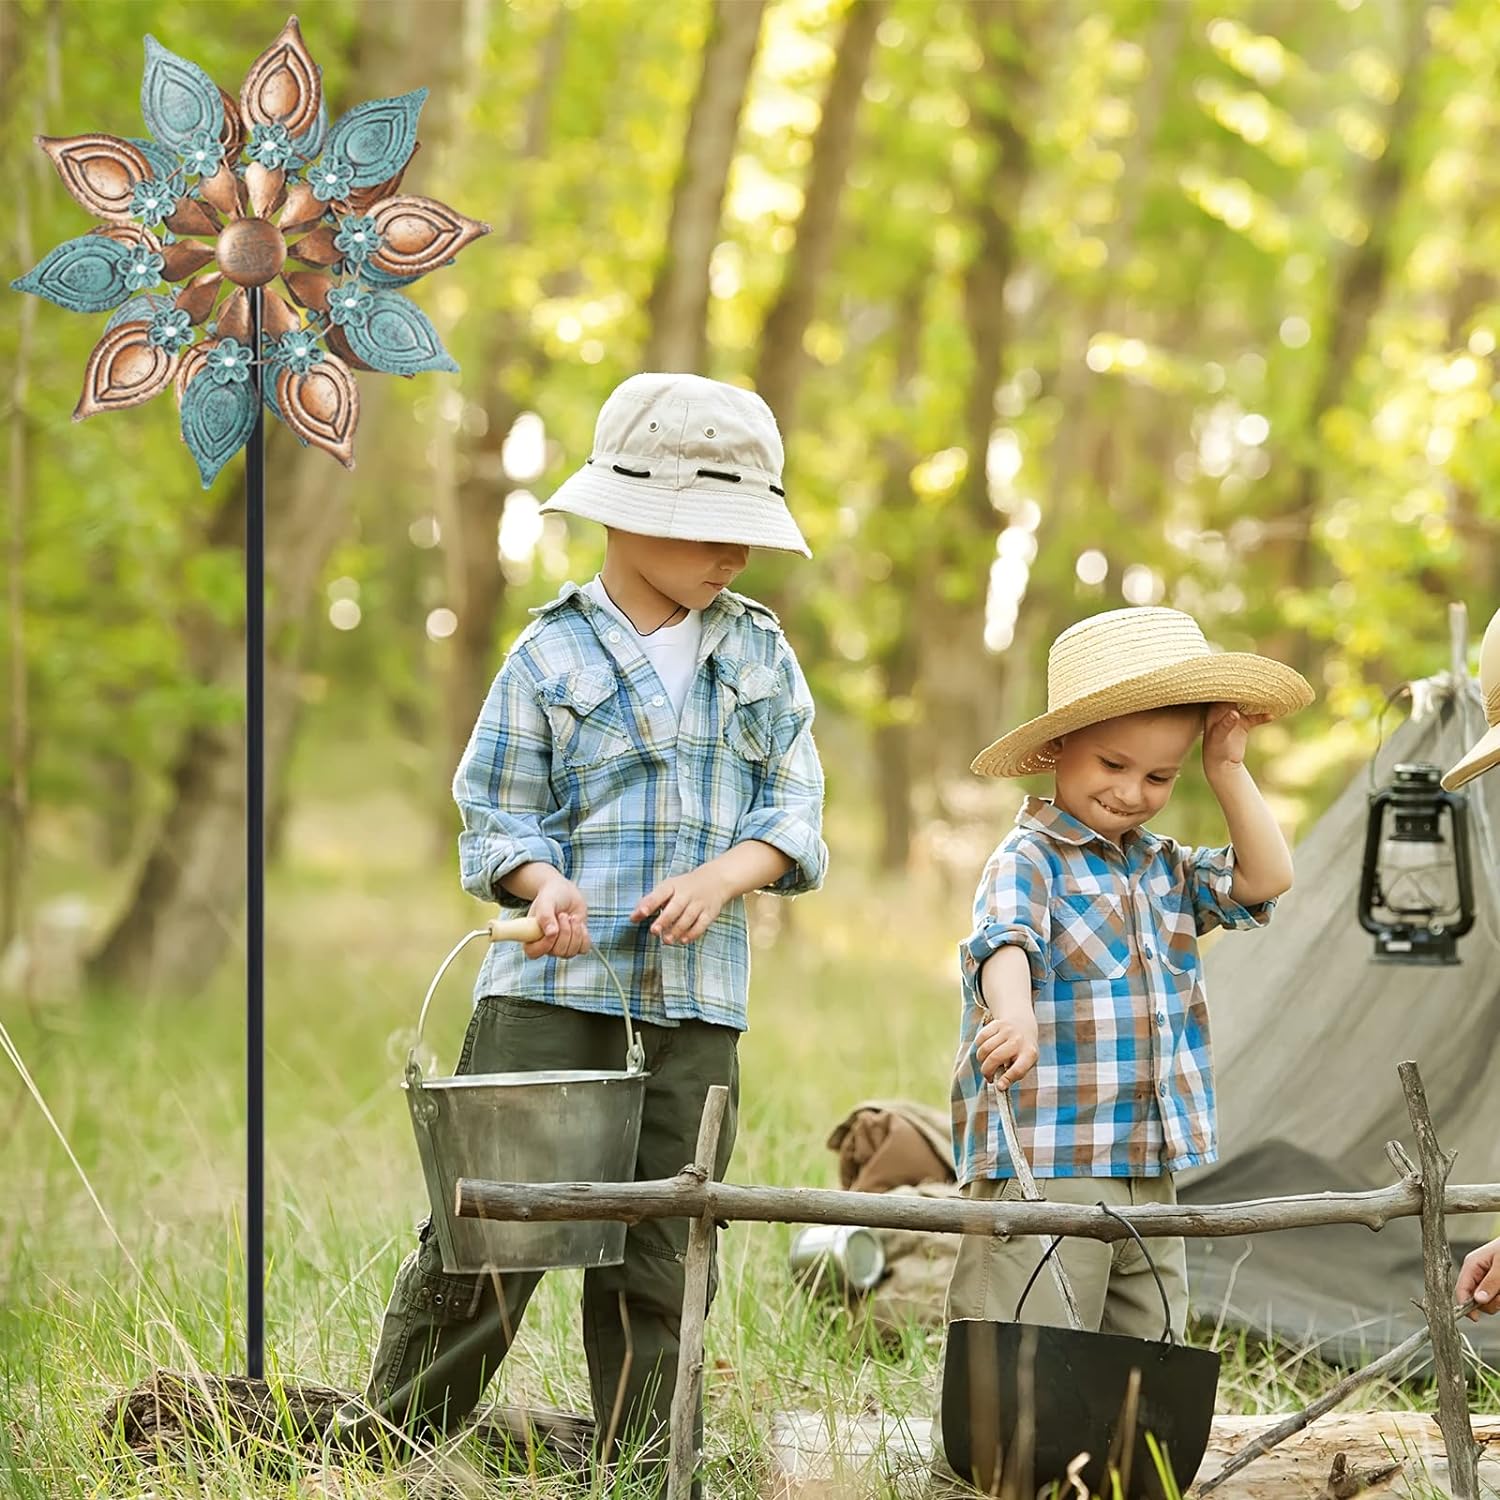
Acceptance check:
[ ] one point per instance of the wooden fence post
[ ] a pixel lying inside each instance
(1437, 1267)
(687, 1396)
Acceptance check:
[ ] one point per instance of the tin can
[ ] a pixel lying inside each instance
(837, 1257)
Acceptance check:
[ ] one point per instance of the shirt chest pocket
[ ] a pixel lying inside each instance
(747, 697)
(1176, 925)
(583, 709)
(1088, 937)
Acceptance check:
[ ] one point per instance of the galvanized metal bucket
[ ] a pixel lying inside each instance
(577, 1126)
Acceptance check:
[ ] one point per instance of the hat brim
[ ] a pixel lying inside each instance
(705, 512)
(1256, 684)
(1480, 759)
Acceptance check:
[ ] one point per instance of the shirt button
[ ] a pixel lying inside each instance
(614, 637)
(1161, 1018)
(1162, 1090)
(658, 701)
(1146, 950)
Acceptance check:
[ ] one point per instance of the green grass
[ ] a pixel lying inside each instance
(853, 998)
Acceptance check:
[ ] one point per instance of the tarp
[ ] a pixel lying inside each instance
(1307, 1034)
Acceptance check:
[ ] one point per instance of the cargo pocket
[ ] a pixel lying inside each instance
(582, 707)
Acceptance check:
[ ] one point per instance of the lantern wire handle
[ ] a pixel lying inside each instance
(1401, 690)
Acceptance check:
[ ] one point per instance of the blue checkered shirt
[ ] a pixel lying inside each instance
(578, 760)
(1123, 1084)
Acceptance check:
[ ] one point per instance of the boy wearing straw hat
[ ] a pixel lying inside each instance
(644, 760)
(1479, 1277)
(1082, 990)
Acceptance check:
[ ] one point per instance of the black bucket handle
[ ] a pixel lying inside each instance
(1167, 1336)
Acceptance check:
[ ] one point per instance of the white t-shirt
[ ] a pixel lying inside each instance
(672, 650)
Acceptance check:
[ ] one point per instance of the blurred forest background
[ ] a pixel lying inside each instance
(1060, 305)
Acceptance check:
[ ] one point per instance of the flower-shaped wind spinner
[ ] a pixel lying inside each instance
(228, 196)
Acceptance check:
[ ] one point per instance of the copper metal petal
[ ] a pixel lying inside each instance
(310, 288)
(184, 258)
(136, 235)
(224, 191)
(282, 85)
(234, 317)
(232, 136)
(189, 363)
(267, 189)
(303, 209)
(197, 298)
(125, 369)
(191, 217)
(317, 248)
(101, 171)
(361, 200)
(333, 336)
(322, 406)
(278, 316)
(420, 234)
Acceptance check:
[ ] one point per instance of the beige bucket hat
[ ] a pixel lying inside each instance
(1128, 660)
(685, 457)
(1487, 752)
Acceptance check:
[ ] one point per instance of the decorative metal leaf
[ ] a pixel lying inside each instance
(224, 191)
(278, 316)
(136, 236)
(310, 288)
(267, 189)
(163, 163)
(362, 199)
(311, 144)
(232, 136)
(197, 299)
(372, 275)
(217, 419)
(303, 209)
(189, 363)
(136, 309)
(322, 406)
(397, 337)
(190, 217)
(83, 275)
(234, 317)
(185, 258)
(417, 235)
(101, 171)
(377, 138)
(178, 99)
(333, 336)
(125, 369)
(283, 86)
(317, 248)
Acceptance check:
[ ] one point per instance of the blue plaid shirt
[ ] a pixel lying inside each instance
(579, 760)
(1123, 1085)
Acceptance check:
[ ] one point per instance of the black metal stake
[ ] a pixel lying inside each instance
(255, 859)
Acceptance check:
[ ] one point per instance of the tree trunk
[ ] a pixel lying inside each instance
(678, 307)
(778, 376)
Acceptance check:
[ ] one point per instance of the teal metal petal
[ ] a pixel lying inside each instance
(378, 138)
(164, 164)
(83, 275)
(398, 338)
(216, 422)
(139, 309)
(373, 276)
(178, 99)
(312, 140)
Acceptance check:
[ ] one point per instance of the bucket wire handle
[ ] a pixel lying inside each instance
(524, 930)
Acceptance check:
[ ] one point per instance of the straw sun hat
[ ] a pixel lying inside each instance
(688, 458)
(1128, 660)
(1487, 752)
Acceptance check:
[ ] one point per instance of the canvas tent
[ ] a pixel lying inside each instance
(1307, 1035)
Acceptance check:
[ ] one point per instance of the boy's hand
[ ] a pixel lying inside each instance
(560, 908)
(685, 905)
(1480, 1279)
(1226, 729)
(1007, 1047)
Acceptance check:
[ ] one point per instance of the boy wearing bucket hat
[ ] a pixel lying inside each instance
(1479, 1277)
(1082, 991)
(644, 760)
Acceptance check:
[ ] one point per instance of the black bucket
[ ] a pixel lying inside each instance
(1075, 1388)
